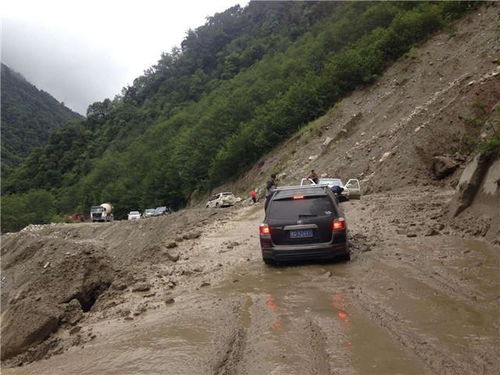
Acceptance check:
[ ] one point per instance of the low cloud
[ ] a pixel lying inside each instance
(67, 67)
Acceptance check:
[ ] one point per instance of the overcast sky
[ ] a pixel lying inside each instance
(82, 51)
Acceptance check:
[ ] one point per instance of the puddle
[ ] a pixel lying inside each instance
(293, 294)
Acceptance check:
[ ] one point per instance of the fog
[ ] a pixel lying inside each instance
(82, 52)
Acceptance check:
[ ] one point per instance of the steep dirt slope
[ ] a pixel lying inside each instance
(431, 102)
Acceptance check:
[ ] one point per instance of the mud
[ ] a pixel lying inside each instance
(405, 304)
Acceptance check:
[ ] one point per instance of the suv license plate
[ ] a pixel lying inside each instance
(302, 233)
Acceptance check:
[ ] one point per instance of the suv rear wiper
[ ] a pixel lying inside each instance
(307, 215)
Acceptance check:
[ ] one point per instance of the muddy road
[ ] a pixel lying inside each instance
(417, 298)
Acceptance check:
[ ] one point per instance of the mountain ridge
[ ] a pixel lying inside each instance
(29, 116)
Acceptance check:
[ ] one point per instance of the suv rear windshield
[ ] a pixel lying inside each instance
(294, 208)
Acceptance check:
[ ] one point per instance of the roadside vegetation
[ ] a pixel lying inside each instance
(238, 86)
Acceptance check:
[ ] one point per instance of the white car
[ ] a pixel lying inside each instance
(134, 215)
(150, 212)
(224, 199)
(352, 188)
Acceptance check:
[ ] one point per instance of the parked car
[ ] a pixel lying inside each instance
(223, 199)
(303, 222)
(150, 212)
(134, 215)
(331, 182)
(352, 188)
(162, 211)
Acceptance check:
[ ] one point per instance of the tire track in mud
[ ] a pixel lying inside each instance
(228, 364)
(437, 360)
(231, 343)
(316, 348)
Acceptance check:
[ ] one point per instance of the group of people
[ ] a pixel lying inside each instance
(271, 185)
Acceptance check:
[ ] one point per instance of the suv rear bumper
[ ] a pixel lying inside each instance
(305, 252)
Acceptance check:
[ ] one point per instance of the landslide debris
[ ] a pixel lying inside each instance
(57, 278)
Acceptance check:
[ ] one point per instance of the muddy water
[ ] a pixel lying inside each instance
(318, 293)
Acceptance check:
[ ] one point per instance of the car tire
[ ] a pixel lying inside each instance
(345, 257)
(269, 262)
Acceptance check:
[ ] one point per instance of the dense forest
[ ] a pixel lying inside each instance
(29, 116)
(236, 87)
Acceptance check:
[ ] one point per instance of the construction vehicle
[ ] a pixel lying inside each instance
(104, 212)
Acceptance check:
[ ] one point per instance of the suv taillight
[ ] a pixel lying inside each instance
(338, 224)
(264, 229)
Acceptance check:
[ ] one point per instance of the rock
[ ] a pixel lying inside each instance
(141, 287)
(232, 244)
(411, 234)
(469, 183)
(431, 232)
(384, 156)
(169, 301)
(173, 256)
(171, 245)
(204, 283)
(119, 285)
(327, 141)
(443, 166)
(313, 157)
(192, 235)
(440, 226)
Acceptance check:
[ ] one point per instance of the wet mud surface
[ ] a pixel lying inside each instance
(417, 298)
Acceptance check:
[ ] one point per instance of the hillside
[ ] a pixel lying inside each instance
(240, 85)
(441, 99)
(29, 116)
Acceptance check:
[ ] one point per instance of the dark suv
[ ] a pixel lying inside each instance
(303, 223)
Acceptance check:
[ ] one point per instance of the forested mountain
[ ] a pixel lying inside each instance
(237, 86)
(29, 115)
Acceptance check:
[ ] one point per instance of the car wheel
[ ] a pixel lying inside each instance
(346, 257)
(269, 262)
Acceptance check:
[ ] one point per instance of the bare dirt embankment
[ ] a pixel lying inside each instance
(188, 293)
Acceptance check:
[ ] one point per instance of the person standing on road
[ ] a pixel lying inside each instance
(270, 187)
(253, 194)
(313, 176)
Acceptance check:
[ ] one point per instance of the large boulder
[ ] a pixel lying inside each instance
(469, 183)
(25, 324)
